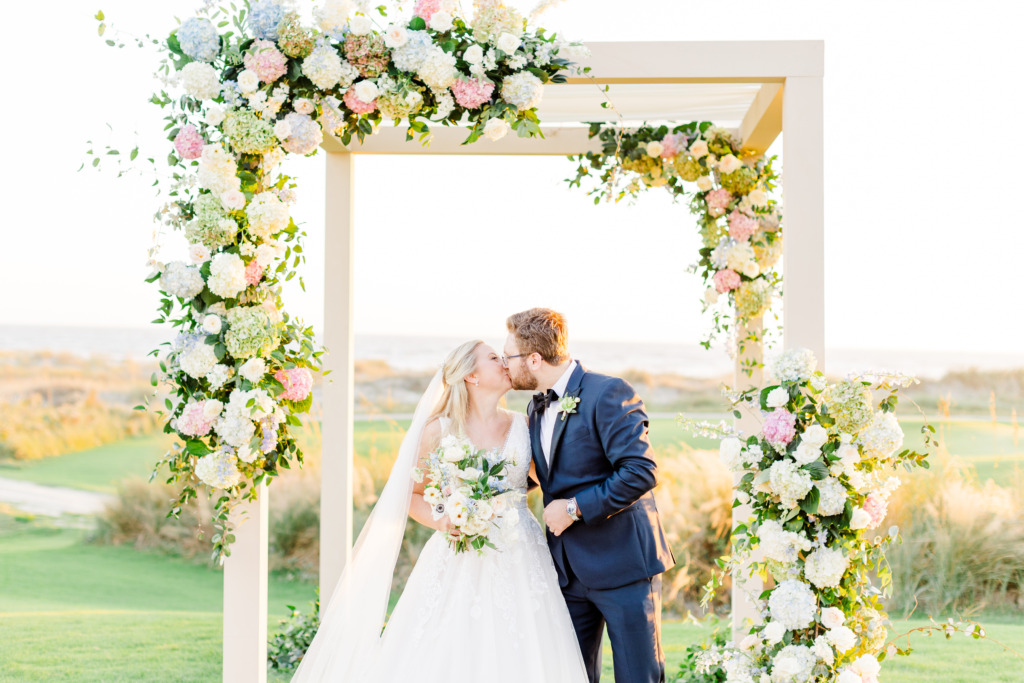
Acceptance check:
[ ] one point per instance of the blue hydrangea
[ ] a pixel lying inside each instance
(199, 40)
(410, 57)
(264, 18)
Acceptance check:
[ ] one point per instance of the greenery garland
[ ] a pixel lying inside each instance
(237, 102)
(729, 191)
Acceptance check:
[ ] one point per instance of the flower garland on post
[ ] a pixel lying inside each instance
(241, 369)
(818, 478)
(729, 189)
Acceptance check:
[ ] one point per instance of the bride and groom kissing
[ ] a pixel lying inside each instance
(534, 607)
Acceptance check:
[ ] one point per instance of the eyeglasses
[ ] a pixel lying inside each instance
(506, 359)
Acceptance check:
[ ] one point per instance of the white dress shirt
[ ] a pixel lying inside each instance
(547, 419)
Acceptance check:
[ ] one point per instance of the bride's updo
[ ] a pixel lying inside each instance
(454, 403)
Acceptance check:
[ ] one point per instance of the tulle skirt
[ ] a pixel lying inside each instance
(495, 617)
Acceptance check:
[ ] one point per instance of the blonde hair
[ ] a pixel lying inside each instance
(543, 331)
(454, 402)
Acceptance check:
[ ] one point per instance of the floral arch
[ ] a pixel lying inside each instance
(246, 86)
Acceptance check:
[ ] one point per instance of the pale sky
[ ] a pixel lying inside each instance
(921, 113)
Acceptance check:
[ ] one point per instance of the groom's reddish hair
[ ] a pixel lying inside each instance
(543, 331)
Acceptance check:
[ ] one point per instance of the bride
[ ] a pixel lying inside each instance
(497, 616)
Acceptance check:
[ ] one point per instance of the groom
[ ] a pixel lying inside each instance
(596, 469)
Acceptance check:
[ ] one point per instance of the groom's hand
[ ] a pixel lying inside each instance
(556, 518)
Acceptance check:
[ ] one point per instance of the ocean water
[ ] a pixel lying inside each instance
(425, 353)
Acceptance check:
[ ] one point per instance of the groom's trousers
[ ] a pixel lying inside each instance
(633, 615)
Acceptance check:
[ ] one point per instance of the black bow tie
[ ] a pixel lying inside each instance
(541, 400)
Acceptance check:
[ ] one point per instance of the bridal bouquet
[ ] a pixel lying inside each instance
(465, 484)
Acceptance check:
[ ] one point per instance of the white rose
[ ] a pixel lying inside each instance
(471, 473)
(860, 519)
(698, 149)
(474, 54)
(360, 25)
(248, 81)
(832, 617)
(654, 149)
(366, 91)
(198, 253)
(750, 642)
(758, 198)
(396, 36)
(282, 129)
(866, 665)
(777, 398)
(806, 453)
(508, 43)
(453, 454)
(441, 21)
(815, 435)
(214, 116)
(212, 324)
(704, 183)
(253, 369)
(842, 638)
(743, 497)
(751, 269)
(729, 163)
(848, 676)
(774, 632)
(496, 129)
(413, 98)
(246, 454)
(233, 199)
(304, 105)
(711, 296)
(729, 452)
(212, 408)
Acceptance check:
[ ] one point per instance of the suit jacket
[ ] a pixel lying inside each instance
(602, 456)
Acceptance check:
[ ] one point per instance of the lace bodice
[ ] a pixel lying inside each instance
(516, 450)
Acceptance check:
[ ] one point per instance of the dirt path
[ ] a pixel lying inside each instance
(50, 500)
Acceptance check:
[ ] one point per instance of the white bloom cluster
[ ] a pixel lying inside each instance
(217, 170)
(789, 482)
(522, 89)
(253, 370)
(268, 252)
(218, 469)
(849, 456)
(227, 275)
(794, 365)
(842, 638)
(235, 425)
(823, 650)
(777, 397)
(332, 16)
(181, 280)
(793, 604)
(219, 375)
(438, 69)
(781, 545)
(825, 567)
(267, 215)
(741, 257)
(832, 497)
(323, 67)
(882, 438)
(811, 441)
(200, 80)
(730, 451)
(197, 360)
(413, 52)
(793, 664)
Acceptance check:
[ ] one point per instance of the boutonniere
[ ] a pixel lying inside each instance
(567, 406)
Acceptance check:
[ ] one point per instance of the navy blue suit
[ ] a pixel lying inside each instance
(609, 563)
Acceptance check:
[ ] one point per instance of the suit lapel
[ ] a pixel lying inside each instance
(537, 451)
(571, 389)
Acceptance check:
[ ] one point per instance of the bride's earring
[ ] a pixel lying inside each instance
(474, 382)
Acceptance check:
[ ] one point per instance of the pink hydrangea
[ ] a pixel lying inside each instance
(741, 226)
(357, 105)
(266, 61)
(253, 272)
(193, 420)
(298, 382)
(726, 280)
(426, 8)
(718, 201)
(189, 142)
(779, 427)
(472, 93)
(671, 144)
(877, 507)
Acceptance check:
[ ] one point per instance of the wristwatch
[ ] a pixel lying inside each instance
(572, 510)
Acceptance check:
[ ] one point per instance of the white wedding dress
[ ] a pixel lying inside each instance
(497, 617)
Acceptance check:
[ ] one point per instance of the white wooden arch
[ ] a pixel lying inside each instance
(767, 87)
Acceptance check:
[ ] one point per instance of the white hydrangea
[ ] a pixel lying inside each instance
(849, 456)
(825, 567)
(793, 664)
(739, 256)
(227, 275)
(218, 469)
(832, 496)
(793, 604)
(522, 89)
(730, 451)
(267, 215)
(781, 545)
(789, 482)
(323, 67)
(219, 375)
(842, 638)
(253, 370)
(331, 18)
(738, 668)
(777, 397)
(218, 171)
(235, 425)
(883, 437)
(268, 252)
(181, 280)
(411, 55)
(200, 80)
(823, 650)
(197, 360)
(794, 365)
(438, 69)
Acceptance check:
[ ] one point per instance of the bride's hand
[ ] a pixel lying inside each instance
(444, 525)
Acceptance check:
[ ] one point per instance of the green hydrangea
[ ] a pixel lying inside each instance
(753, 298)
(248, 133)
(849, 403)
(400, 103)
(688, 168)
(720, 142)
(740, 181)
(250, 332)
(212, 226)
(293, 38)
